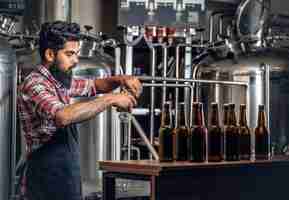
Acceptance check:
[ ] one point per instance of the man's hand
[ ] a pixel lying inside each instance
(132, 85)
(124, 101)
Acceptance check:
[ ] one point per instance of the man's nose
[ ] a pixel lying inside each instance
(76, 59)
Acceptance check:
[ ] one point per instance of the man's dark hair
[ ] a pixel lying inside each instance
(54, 35)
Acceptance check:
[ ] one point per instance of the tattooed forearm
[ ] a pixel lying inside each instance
(108, 84)
(82, 111)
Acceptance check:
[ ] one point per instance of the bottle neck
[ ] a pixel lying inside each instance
(226, 116)
(215, 116)
(182, 116)
(232, 116)
(166, 119)
(198, 115)
(243, 118)
(261, 119)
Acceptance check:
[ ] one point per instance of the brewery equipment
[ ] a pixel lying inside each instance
(8, 91)
(249, 57)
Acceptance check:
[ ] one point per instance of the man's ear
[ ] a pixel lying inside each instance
(49, 55)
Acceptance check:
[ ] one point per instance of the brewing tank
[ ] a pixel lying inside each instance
(7, 116)
(95, 134)
(250, 67)
(27, 60)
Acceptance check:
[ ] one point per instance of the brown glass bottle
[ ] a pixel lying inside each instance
(232, 136)
(225, 124)
(166, 133)
(226, 115)
(215, 136)
(181, 132)
(245, 135)
(262, 137)
(197, 140)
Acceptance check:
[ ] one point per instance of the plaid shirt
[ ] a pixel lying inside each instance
(40, 96)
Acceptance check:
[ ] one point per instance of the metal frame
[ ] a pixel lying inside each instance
(178, 85)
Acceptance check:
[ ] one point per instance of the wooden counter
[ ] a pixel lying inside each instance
(246, 180)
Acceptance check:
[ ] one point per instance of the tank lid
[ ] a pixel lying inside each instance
(251, 18)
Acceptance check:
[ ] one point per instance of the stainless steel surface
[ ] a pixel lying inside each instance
(249, 62)
(250, 68)
(211, 25)
(8, 78)
(95, 134)
(251, 18)
(27, 60)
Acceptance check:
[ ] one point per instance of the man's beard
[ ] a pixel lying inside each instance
(64, 78)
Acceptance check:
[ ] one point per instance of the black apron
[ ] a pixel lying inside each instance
(53, 171)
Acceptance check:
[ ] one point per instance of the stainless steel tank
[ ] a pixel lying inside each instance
(247, 61)
(27, 60)
(8, 76)
(95, 134)
(250, 67)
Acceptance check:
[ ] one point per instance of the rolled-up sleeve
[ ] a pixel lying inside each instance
(83, 87)
(45, 100)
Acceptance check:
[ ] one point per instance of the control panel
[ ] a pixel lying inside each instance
(161, 12)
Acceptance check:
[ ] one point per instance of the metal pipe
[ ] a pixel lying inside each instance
(145, 139)
(165, 65)
(144, 111)
(188, 70)
(152, 96)
(126, 125)
(177, 89)
(149, 78)
(129, 55)
(115, 125)
(152, 100)
(128, 71)
(211, 25)
(134, 148)
(221, 23)
(128, 138)
(220, 32)
(131, 43)
(166, 85)
(267, 93)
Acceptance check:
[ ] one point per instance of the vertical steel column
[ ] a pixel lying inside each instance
(115, 125)
(267, 98)
(188, 70)
(165, 61)
(177, 89)
(152, 100)
(14, 131)
(267, 93)
(128, 71)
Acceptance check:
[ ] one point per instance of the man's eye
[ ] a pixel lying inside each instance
(69, 54)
